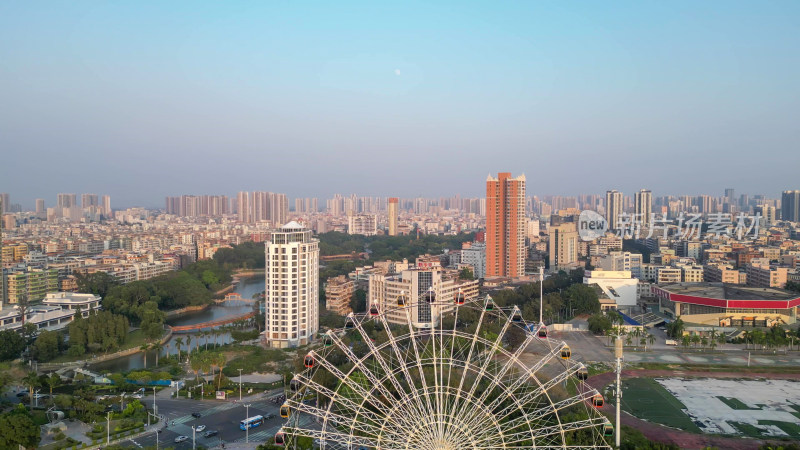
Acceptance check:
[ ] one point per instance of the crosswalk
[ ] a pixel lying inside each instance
(268, 433)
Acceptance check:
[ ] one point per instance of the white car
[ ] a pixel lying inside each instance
(136, 396)
(180, 439)
(200, 428)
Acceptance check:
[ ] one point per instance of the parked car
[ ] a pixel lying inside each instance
(196, 415)
(180, 439)
(200, 428)
(210, 433)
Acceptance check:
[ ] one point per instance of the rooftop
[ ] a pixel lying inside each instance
(728, 291)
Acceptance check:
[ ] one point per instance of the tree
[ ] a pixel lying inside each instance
(651, 339)
(157, 347)
(359, 301)
(675, 328)
(47, 346)
(32, 381)
(17, 428)
(11, 345)
(599, 323)
(53, 381)
(466, 274)
(98, 283)
(144, 348)
(178, 345)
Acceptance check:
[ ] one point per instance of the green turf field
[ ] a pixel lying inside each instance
(648, 400)
(734, 403)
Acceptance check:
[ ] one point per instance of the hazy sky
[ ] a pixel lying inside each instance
(145, 99)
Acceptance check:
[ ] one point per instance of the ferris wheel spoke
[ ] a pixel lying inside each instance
(531, 396)
(345, 379)
(553, 430)
(413, 339)
(490, 356)
(525, 376)
(400, 358)
(337, 398)
(340, 437)
(475, 339)
(550, 409)
(509, 363)
(365, 427)
(497, 401)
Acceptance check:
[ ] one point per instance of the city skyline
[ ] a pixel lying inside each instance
(232, 95)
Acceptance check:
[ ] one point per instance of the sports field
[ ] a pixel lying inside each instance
(756, 408)
(648, 400)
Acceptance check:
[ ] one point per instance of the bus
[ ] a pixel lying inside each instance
(251, 422)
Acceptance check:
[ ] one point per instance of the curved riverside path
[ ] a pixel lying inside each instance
(685, 439)
(211, 324)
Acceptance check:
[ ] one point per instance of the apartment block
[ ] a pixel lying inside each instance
(339, 292)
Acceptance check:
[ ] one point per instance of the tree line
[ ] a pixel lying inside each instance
(102, 331)
(564, 297)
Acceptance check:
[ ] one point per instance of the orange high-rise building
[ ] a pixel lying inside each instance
(393, 216)
(505, 225)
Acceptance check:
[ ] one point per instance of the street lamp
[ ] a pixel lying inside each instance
(108, 427)
(193, 434)
(240, 385)
(247, 424)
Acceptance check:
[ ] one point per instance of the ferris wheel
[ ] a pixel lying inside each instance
(459, 384)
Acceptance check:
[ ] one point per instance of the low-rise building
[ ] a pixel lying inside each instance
(338, 294)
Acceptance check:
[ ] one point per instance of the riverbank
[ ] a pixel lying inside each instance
(134, 346)
(188, 309)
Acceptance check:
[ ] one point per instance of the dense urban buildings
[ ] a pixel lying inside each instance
(505, 225)
(291, 286)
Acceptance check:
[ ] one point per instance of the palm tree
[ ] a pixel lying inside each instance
(651, 339)
(695, 339)
(157, 347)
(196, 363)
(221, 361)
(746, 338)
(144, 348)
(189, 343)
(178, 345)
(32, 381)
(53, 381)
(704, 341)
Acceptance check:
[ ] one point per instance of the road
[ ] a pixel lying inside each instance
(222, 416)
(589, 348)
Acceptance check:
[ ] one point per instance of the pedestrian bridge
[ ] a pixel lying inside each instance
(212, 324)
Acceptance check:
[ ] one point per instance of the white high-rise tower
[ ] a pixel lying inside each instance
(292, 286)
(644, 207)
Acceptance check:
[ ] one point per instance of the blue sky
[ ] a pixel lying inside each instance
(146, 99)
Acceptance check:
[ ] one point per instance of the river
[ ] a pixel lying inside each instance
(246, 288)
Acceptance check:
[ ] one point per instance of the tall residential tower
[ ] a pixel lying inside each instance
(644, 207)
(505, 225)
(613, 208)
(292, 286)
(393, 203)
